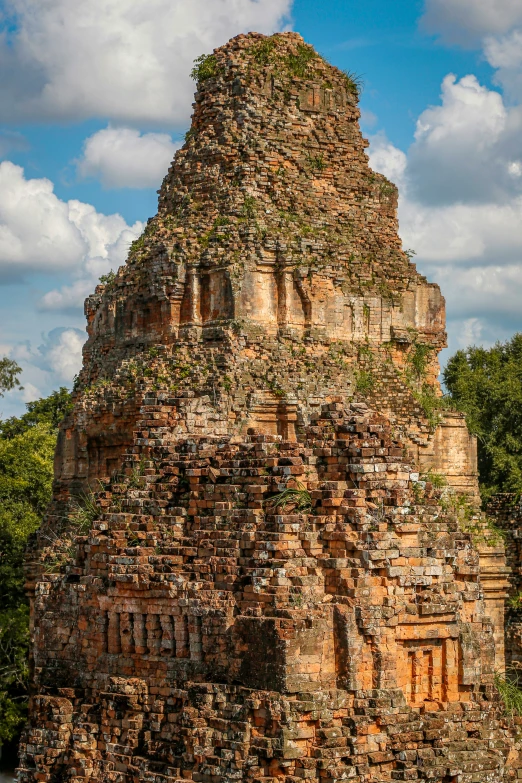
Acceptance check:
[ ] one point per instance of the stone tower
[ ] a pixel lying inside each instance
(262, 588)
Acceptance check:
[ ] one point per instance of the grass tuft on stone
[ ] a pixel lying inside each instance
(353, 83)
(85, 511)
(511, 695)
(298, 497)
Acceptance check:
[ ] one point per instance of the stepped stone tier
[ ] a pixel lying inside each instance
(266, 588)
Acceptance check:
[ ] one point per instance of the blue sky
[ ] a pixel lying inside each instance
(95, 98)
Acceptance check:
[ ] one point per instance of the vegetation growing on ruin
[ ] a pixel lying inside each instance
(364, 381)
(387, 189)
(509, 691)
(415, 376)
(84, 511)
(515, 602)
(264, 51)
(301, 63)
(108, 279)
(297, 63)
(205, 67)
(295, 498)
(353, 83)
(249, 208)
(316, 162)
(219, 230)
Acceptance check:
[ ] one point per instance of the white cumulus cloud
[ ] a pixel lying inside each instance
(460, 206)
(48, 360)
(59, 355)
(127, 60)
(41, 233)
(468, 147)
(30, 392)
(387, 159)
(124, 158)
(36, 229)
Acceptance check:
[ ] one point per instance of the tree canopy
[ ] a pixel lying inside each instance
(27, 446)
(48, 410)
(486, 383)
(9, 372)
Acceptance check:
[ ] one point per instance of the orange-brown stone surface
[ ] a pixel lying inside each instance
(267, 585)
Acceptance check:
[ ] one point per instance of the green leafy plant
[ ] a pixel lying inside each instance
(221, 220)
(298, 63)
(48, 411)
(264, 52)
(133, 539)
(437, 480)
(61, 555)
(138, 243)
(296, 598)
(418, 359)
(205, 67)
(316, 162)
(481, 528)
(430, 403)
(364, 352)
(27, 446)
(364, 381)
(297, 497)
(249, 208)
(109, 278)
(14, 671)
(275, 388)
(515, 602)
(415, 374)
(214, 233)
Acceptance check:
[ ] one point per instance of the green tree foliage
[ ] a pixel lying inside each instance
(9, 372)
(27, 448)
(487, 385)
(49, 410)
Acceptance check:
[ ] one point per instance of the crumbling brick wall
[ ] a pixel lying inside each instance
(272, 274)
(204, 631)
(267, 335)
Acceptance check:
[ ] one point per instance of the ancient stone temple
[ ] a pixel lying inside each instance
(268, 584)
